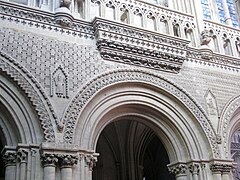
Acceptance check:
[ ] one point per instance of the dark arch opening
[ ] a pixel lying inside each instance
(129, 150)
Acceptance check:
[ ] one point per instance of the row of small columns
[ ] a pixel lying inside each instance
(13, 158)
(65, 162)
(219, 171)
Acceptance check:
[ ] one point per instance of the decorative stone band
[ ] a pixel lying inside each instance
(67, 160)
(63, 160)
(126, 44)
(9, 158)
(221, 168)
(49, 159)
(178, 169)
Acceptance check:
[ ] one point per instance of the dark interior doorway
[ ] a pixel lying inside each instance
(129, 150)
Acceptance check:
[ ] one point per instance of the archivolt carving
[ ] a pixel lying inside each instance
(77, 104)
(226, 116)
(25, 80)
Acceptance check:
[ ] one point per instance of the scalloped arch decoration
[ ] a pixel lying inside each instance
(34, 92)
(132, 75)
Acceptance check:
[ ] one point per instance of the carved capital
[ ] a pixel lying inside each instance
(49, 160)
(9, 158)
(216, 168)
(67, 160)
(22, 155)
(178, 169)
(90, 160)
(227, 168)
(194, 168)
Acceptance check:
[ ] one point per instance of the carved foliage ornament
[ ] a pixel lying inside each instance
(178, 169)
(127, 75)
(9, 158)
(38, 98)
(63, 160)
(90, 160)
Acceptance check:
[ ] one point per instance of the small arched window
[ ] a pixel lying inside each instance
(227, 45)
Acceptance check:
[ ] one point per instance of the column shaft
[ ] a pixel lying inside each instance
(66, 173)
(49, 173)
(23, 167)
(10, 172)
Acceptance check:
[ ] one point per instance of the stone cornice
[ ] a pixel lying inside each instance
(32, 17)
(213, 59)
(130, 45)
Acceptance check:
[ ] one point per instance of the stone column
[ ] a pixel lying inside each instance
(179, 170)
(227, 14)
(194, 169)
(66, 163)
(22, 158)
(9, 158)
(49, 162)
(216, 171)
(90, 160)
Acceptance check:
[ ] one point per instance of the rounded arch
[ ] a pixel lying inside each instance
(33, 90)
(17, 121)
(82, 106)
(229, 123)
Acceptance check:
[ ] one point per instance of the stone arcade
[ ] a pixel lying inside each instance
(120, 90)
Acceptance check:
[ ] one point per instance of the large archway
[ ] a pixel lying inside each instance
(131, 150)
(179, 131)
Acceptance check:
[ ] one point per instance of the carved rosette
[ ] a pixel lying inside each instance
(179, 169)
(67, 160)
(90, 160)
(194, 168)
(22, 156)
(9, 158)
(49, 160)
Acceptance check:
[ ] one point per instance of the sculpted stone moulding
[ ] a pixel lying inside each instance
(127, 75)
(29, 85)
(130, 45)
(43, 20)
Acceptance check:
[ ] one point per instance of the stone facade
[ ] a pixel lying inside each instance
(70, 68)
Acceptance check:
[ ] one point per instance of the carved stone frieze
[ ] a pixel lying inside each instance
(26, 81)
(9, 158)
(221, 168)
(205, 56)
(216, 168)
(71, 116)
(67, 160)
(178, 169)
(125, 44)
(122, 53)
(49, 159)
(50, 21)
